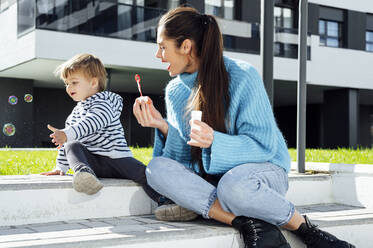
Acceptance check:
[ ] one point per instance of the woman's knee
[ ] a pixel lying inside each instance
(236, 188)
(155, 169)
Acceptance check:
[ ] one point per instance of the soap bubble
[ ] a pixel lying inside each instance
(12, 100)
(28, 98)
(9, 129)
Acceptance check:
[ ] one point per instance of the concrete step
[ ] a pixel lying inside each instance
(351, 183)
(352, 223)
(38, 199)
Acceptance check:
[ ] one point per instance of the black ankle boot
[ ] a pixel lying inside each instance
(316, 238)
(259, 234)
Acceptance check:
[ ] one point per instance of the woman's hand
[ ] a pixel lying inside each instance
(201, 134)
(148, 116)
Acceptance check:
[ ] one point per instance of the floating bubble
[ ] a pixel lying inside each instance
(12, 100)
(9, 129)
(28, 98)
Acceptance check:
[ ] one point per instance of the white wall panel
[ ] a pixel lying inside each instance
(14, 50)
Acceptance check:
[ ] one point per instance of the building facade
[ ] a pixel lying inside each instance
(38, 35)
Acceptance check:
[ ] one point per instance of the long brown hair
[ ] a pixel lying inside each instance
(212, 94)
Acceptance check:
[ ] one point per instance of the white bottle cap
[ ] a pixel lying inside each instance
(196, 115)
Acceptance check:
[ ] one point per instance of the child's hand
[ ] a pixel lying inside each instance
(58, 137)
(52, 173)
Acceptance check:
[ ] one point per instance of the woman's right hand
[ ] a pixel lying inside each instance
(147, 115)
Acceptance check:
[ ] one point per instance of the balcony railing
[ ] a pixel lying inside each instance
(100, 17)
(108, 18)
(286, 43)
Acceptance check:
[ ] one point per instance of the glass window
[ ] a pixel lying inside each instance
(140, 3)
(285, 50)
(229, 9)
(330, 33)
(322, 27)
(173, 4)
(26, 16)
(369, 41)
(220, 8)
(214, 7)
(284, 17)
(126, 1)
(3, 4)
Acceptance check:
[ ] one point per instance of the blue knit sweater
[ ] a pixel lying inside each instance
(252, 133)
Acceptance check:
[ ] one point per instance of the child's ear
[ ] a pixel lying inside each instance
(94, 82)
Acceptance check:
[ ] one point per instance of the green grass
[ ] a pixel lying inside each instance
(34, 162)
(26, 162)
(340, 155)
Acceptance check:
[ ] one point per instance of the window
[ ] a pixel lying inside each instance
(284, 17)
(220, 8)
(3, 5)
(25, 16)
(330, 33)
(286, 50)
(369, 41)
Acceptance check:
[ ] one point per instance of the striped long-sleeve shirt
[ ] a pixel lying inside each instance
(95, 123)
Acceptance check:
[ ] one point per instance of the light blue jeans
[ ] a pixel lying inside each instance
(254, 190)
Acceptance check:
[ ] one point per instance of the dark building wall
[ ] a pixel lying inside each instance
(313, 19)
(53, 106)
(356, 25)
(20, 114)
(137, 135)
(365, 137)
(198, 4)
(340, 118)
(248, 10)
(286, 118)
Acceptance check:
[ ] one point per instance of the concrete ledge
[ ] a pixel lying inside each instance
(310, 189)
(344, 168)
(351, 184)
(35, 198)
(28, 182)
(145, 231)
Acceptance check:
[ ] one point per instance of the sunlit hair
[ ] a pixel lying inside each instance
(211, 94)
(88, 64)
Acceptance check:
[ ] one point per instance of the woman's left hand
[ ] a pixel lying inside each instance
(201, 134)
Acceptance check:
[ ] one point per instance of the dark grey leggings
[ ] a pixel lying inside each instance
(78, 156)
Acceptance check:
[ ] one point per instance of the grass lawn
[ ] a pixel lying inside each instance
(34, 162)
(341, 155)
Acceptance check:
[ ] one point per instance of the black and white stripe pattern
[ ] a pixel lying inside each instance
(95, 123)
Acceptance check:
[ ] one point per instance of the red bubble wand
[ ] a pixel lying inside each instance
(138, 79)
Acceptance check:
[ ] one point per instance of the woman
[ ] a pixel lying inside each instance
(232, 166)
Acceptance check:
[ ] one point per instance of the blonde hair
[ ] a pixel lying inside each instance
(88, 64)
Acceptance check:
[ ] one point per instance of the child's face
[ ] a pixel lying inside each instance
(79, 87)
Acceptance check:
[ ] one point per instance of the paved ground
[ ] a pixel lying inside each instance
(142, 229)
